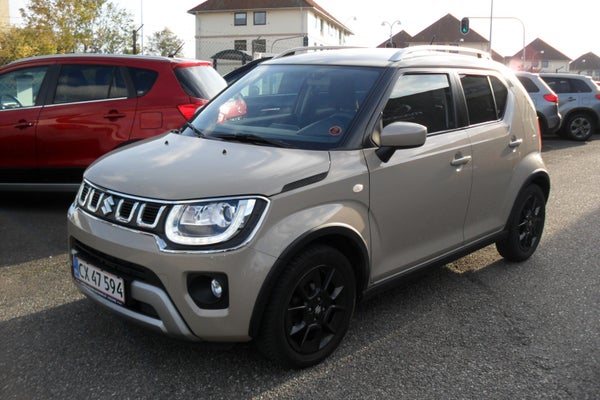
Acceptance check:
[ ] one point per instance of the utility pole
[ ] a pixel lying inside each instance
(135, 33)
(491, 19)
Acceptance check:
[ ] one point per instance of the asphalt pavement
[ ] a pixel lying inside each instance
(479, 328)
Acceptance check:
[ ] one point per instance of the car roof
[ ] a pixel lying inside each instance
(119, 58)
(565, 75)
(383, 57)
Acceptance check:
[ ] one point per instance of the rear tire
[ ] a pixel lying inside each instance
(525, 225)
(310, 308)
(579, 127)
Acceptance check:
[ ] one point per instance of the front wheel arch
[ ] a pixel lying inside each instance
(345, 240)
(310, 308)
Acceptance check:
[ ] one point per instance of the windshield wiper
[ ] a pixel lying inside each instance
(196, 131)
(251, 138)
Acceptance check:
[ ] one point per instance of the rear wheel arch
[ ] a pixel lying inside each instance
(345, 240)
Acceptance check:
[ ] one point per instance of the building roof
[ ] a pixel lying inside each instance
(400, 39)
(447, 30)
(538, 47)
(242, 5)
(587, 62)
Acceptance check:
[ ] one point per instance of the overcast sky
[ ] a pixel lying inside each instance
(570, 26)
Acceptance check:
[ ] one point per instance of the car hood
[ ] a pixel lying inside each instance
(176, 167)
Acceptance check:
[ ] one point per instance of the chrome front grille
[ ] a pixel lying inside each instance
(121, 209)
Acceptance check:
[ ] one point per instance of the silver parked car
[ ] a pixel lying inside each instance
(579, 103)
(314, 180)
(544, 99)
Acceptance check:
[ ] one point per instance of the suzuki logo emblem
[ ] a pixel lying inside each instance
(107, 205)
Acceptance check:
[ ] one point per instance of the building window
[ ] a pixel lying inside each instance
(260, 18)
(259, 46)
(240, 45)
(240, 19)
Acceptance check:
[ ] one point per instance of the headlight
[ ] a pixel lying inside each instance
(206, 223)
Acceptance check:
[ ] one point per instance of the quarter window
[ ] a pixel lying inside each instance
(424, 99)
(528, 84)
(21, 88)
(500, 95)
(240, 18)
(260, 18)
(143, 79)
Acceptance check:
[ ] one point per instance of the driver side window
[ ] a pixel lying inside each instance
(20, 88)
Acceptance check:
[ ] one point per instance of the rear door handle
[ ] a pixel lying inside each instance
(459, 159)
(514, 142)
(114, 114)
(22, 124)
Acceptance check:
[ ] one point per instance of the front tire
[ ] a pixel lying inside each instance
(525, 225)
(310, 309)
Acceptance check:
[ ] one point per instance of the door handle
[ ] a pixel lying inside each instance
(22, 124)
(514, 142)
(459, 159)
(114, 114)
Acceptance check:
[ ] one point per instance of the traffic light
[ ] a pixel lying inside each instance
(464, 26)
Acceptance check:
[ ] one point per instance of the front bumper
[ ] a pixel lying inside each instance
(158, 281)
(169, 321)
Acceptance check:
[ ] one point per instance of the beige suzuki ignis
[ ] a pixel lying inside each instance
(309, 183)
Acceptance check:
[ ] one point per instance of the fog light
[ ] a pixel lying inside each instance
(209, 290)
(216, 288)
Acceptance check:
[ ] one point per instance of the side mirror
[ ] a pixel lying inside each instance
(400, 135)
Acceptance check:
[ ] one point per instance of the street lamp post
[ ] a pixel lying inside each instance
(391, 25)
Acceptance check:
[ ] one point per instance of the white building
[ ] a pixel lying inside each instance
(4, 14)
(229, 30)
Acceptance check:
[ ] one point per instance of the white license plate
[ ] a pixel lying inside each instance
(107, 284)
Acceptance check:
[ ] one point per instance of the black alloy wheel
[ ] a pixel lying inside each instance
(525, 225)
(310, 309)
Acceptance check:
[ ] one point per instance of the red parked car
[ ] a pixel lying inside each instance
(59, 113)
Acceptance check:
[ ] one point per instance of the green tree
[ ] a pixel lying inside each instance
(164, 43)
(18, 43)
(68, 26)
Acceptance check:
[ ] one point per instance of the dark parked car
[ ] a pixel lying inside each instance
(59, 113)
(545, 101)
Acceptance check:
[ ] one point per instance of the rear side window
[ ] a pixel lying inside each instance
(485, 96)
(565, 85)
(78, 83)
(579, 86)
(20, 88)
(143, 79)
(202, 82)
(528, 84)
(423, 99)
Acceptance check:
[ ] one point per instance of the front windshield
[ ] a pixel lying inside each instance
(297, 106)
